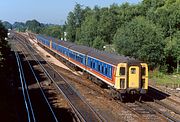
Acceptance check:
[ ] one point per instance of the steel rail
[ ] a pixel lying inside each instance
(100, 117)
(34, 74)
(168, 116)
(80, 114)
(164, 94)
(24, 88)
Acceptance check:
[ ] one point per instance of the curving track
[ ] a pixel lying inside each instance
(83, 111)
(27, 100)
(36, 102)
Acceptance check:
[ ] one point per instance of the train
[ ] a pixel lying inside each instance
(124, 75)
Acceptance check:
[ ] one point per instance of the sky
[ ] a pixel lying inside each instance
(47, 11)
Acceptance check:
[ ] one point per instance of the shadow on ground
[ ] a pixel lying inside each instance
(12, 107)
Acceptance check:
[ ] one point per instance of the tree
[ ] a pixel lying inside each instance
(127, 12)
(7, 25)
(74, 21)
(107, 24)
(98, 43)
(19, 26)
(4, 47)
(169, 16)
(141, 39)
(142, 30)
(78, 13)
(71, 27)
(3, 32)
(172, 49)
(53, 30)
(88, 31)
(34, 26)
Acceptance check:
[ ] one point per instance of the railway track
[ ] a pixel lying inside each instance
(35, 113)
(143, 112)
(164, 111)
(82, 109)
(163, 104)
(161, 95)
(148, 111)
(27, 100)
(41, 88)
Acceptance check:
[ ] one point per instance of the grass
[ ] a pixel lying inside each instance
(164, 79)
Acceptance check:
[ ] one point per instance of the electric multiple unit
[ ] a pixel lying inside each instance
(124, 74)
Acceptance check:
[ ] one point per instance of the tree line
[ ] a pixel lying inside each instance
(4, 47)
(56, 31)
(4, 52)
(149, 30)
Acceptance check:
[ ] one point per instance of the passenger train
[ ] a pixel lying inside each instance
(123, 74)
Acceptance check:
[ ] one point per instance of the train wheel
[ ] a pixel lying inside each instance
(122, 97)
(118, 96)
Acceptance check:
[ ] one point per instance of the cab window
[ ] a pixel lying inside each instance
(143, 71)
(122, 71)
(133, 70)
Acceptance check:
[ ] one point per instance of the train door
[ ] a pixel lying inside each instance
(121, 76)
(133, 77)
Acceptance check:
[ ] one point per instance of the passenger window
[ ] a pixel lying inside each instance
(122, 70)
(133, 70)
(143, 71)
(91, 64)
(105, 71)
(94, 65)
(102, 69)
(98, 67)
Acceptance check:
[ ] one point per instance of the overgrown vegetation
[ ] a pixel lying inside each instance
(4, 48)
(8, 80)
(160, 78)
(149, 31)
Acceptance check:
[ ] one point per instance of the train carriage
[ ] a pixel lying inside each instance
(124, 74)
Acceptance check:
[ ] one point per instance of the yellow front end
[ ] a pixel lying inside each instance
(132, 78)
